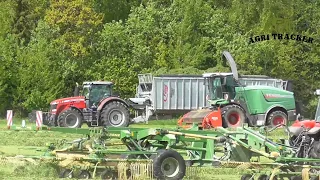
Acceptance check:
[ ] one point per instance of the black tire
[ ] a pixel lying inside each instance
(266, 177)
(246, 177)
(274, 178)
(108, 174)
(66, 173)
(168, 165)
(115, 114)
(232, 116)
(277, 117)
(296, 178)
(84, 174)
(70, 118)
(315, 150)
(263, 177)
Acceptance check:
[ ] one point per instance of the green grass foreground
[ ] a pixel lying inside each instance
(23, 142)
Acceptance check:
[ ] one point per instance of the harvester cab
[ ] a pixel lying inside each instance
(233, 104)
(221, 87)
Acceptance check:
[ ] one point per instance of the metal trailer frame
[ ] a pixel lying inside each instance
(218, 147)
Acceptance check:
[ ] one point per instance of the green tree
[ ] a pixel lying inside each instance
(27, 13)
(115, 10)
(42, 71)
(77, 23)
(7, 12)
(8, 71)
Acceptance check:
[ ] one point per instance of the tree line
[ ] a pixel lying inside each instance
(48, 45)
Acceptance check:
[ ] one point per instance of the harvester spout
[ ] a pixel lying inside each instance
(227, 57)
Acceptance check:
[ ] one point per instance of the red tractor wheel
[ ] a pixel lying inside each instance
(277, 117)
(70, 118)
(233, 116)
(115, 114)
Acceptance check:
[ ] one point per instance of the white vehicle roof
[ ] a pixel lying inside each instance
(215, 74)
(97, 82)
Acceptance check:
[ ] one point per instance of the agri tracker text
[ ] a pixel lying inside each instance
(233, 104)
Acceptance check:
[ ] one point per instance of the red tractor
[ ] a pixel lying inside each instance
(94, 103)
(306, 133)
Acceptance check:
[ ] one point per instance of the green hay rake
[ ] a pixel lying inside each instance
(166, 154)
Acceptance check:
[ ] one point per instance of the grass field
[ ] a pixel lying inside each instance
(24, 142)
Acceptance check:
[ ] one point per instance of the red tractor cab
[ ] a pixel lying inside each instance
(94, 103)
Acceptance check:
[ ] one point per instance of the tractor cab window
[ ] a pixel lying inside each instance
(230, 86)
(99, 92)
(221, 85)
(216, 89)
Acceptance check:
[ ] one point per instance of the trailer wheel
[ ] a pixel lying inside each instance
(169, 165)
(263, 177)
(266, 177)
(277, 117)
(246, 177)
(296, 178)
(108, 174)
(66, 173)
(84, 174)
(115, 114)
(70, 118)
(233, 116)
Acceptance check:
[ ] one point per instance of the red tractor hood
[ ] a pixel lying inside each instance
(68, 100)
(311, 126)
